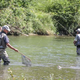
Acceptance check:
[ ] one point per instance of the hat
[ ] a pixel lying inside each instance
(78, 30)
(6, 27)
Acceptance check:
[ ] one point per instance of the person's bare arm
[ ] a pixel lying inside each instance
(12, 47)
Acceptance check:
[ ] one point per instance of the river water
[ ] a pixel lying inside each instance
(51, 57)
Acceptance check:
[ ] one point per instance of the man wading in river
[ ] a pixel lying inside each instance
(77, 41)
(4, 42)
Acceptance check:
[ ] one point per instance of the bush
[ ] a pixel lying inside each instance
(41, 16)
(42, 23)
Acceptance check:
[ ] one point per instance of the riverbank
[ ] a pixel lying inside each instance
(38, 18)
(16, 31)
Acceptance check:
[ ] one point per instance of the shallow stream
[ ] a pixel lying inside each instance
(51, 57)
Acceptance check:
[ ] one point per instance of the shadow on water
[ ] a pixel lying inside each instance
(49, 55)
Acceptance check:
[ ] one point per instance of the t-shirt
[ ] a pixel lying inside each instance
(77, 38)
(6, 39)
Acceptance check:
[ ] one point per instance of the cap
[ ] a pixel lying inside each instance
(78, 30)
(6, 27)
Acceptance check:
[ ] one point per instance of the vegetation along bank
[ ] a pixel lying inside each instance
(41, 17)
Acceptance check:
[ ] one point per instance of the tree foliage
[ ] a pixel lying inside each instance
(41, 16)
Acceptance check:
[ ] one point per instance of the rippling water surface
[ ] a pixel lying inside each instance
(50, 55)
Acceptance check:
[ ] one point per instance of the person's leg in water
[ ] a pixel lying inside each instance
(5, 58)
(78, 50)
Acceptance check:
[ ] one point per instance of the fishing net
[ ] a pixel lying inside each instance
(25, 60)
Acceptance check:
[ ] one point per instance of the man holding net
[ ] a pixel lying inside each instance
(4, 42)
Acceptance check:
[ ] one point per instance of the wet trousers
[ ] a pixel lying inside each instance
(78, 50)
(4, 57)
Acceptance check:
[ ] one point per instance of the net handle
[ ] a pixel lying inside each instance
(24, 55)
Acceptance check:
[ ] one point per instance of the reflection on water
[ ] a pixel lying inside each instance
(49, 55)
(3, 72)
(78, 67)
(78, 61)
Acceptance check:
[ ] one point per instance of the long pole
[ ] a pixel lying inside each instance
(24, 55)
